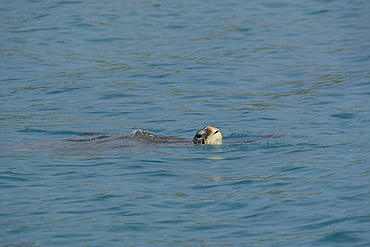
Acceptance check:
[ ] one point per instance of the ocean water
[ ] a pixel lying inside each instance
(172, 67)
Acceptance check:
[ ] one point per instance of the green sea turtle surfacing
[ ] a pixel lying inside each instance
(206, 136)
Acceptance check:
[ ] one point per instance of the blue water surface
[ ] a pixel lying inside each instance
(172, 67)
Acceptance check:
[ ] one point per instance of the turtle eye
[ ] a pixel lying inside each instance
(199, 136)
(216, 131)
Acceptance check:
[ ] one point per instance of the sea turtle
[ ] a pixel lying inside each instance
(208, 135)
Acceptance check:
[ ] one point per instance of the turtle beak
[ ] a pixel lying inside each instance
(214, 136)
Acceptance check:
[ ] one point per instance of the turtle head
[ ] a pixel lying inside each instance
(208, 135)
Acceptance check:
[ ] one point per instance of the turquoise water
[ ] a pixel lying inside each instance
(172, 67)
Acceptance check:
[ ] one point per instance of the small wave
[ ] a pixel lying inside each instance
(141, 133)
(144, 135)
